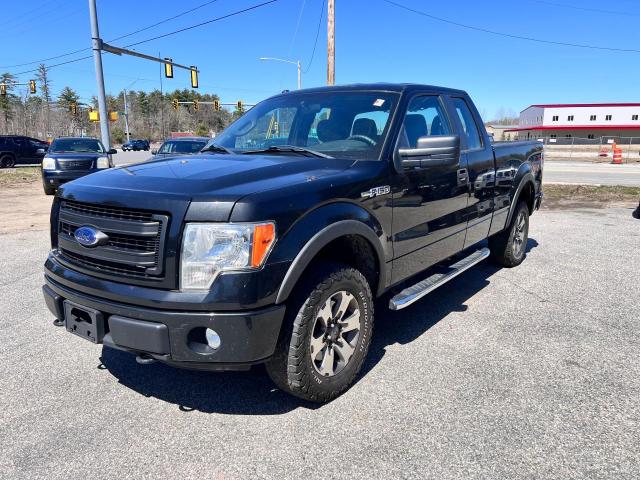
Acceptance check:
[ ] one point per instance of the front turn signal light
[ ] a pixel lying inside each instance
(263, 237)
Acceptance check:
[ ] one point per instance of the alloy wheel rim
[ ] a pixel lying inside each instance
(335, 334)
(519, 236)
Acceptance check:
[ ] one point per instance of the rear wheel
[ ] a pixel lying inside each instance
(508, 248)
(7, 161)
(326, 335)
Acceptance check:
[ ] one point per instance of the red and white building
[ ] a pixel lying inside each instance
(579, 120)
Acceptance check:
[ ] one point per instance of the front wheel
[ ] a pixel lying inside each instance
(508, 248)
(7, 161)
(326, 335)
(49, 190)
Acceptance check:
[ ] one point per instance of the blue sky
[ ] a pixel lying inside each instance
(375, 41)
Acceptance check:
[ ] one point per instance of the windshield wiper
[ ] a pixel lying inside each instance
(216, 148)
(287, 148)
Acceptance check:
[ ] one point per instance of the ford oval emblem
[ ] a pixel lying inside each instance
(90, 237)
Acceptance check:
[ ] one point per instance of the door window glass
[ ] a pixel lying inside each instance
(425, 116)
(469, 126)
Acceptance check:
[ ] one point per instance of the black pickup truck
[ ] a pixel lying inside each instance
(272, 244)
(21, 150)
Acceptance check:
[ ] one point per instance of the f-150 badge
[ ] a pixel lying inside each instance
(375, 191)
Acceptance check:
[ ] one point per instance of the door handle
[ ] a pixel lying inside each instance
(463, 175)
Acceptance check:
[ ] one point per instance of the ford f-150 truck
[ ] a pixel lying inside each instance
(272, 245)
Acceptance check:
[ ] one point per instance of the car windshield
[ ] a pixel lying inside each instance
(182, 146)
(85, 145)
(347, 124)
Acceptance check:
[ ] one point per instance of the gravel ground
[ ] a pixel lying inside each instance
(531, 372)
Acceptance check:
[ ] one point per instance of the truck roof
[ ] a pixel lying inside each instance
(383, 86)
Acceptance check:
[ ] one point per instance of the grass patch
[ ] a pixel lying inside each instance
(16, 176)
(559, 196)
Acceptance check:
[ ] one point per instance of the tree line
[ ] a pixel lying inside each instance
(151, 114)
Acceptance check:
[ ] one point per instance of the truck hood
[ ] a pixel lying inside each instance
(76, 155)
(202, 178)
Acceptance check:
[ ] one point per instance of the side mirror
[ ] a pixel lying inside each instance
(154, 152)
(41, 151)
(431, 151)
(112, 151)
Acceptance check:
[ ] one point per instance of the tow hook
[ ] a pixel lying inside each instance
(145, 360)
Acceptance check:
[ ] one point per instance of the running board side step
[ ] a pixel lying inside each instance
(415, 292)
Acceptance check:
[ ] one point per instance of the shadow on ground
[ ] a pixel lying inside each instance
(252, 393)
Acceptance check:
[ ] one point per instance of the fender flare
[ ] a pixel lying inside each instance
(527, 178)
(322, 239)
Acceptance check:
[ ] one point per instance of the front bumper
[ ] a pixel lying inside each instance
(55, 178)
(175, 337)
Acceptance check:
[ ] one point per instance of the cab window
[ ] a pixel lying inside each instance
(425, 117)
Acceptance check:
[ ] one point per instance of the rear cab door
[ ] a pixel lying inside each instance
(480, 171)
(428, 202)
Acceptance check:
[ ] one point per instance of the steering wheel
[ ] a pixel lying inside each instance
(363, 138)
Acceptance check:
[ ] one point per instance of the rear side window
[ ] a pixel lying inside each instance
(469, 126)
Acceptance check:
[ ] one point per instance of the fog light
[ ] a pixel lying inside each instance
(213, 339)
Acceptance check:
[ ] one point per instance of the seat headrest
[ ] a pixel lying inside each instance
(436, 126)
(329, 130)
(415, 126)
(366, 127)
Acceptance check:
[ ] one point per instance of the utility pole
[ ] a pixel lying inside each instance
(96, 45)
(331, 44)
(299, 76)
(126, 116)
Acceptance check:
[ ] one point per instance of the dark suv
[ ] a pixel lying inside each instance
(69, 158)
(136, 145)
(19, 150)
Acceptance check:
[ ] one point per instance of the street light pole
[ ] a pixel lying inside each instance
(126, 116)
(296, 63)
(96, 45)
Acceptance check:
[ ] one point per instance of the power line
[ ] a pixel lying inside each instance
(509, 35)
(587, 9)
(186, 12)
(315, 44)
(161, 36)
(202, 23)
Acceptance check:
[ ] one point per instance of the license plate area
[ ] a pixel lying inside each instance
(84, 322)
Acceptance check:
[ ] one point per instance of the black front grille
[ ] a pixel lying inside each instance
(135, 241)
(75, 164)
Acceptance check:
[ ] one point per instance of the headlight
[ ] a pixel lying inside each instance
(211, 248)
(48, 163)
(102, 162)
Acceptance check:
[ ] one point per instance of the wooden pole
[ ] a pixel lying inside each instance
(331, 44)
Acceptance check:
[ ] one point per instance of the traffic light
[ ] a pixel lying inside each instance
(32, 87)
(216, 105)
(3, 89)
(73, 108)
(194, 76)
(240, 106)
(168, 68)
(94, 116)
(175, 104)
(196, 105)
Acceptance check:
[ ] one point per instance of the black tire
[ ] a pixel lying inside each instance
(293, 368)
(509, 247)
(49, 190)
(7, 161)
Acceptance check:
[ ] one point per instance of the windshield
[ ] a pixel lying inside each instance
(182, 146)
(339, 124)
(85, 145)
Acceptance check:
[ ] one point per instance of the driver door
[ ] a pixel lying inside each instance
(428, 202)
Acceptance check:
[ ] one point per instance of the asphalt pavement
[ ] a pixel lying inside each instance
(531, 372)
(592, 173)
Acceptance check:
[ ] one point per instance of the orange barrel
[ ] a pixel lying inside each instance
(617, 156)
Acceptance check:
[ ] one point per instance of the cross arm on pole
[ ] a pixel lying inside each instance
(123, 51)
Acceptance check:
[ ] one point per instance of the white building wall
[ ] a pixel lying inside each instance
(530, 117)
(582, 116)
